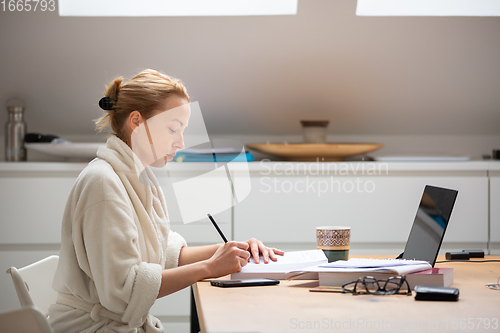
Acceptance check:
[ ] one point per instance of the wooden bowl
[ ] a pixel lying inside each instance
(313, 152)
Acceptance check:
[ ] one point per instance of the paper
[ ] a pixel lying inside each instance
(372, 263)
(294, 257)
(287, 262)
(404, 269)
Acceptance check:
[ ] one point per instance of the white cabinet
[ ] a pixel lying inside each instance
(32, 207)
(495, 208)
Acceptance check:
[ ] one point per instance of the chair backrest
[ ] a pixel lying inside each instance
(33, 283)
(26, 320)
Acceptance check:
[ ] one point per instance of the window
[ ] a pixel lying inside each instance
(428, 8)
(176, 7)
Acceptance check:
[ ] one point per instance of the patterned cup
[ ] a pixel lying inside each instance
(334, 241)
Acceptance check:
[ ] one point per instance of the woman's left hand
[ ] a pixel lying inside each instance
(256, 248)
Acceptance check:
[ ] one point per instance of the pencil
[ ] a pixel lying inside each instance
(217, 227)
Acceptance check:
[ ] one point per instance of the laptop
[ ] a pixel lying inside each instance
(429, 226)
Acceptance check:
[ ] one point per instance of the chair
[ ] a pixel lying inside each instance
(33, 283)
(26, 320)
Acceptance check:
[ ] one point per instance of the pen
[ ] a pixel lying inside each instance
(217, 227)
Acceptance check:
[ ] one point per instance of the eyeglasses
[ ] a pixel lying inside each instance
(372, 286)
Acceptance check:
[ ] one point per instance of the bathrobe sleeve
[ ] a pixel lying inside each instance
(107, 250)
(174, 245)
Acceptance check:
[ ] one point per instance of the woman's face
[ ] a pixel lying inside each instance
(156, 140)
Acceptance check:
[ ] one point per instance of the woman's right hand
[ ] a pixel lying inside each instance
(229, 258)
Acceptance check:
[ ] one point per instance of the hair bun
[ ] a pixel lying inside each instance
(113, 89)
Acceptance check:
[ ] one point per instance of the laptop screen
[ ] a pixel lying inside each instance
(429, 226)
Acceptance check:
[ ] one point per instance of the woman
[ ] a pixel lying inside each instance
(117, 252)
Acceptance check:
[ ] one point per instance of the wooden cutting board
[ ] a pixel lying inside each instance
(315, 151)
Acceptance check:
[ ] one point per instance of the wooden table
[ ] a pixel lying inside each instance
(290, 307)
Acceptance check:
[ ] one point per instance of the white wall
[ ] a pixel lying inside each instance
(370, 76)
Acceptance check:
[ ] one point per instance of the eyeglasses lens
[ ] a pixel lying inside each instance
(370, 285)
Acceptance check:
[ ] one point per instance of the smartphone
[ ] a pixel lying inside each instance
(243, 283)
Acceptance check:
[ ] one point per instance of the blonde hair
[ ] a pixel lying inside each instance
(146, 92)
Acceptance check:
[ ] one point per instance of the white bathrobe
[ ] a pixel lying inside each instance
(115, 243)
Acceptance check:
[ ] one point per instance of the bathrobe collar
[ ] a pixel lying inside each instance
(145, 194)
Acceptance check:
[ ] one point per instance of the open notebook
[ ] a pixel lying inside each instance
(282, 269)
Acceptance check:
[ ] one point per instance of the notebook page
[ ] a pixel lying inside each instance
(294, 257)
(372, 263)
(289, 261)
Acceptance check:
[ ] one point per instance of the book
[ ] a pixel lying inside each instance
(287, 266)
(400, 266)
(436, 277)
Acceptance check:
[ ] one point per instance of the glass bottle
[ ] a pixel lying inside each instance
(15, 129)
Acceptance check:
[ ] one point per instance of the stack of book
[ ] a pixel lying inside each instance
(416, 272)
